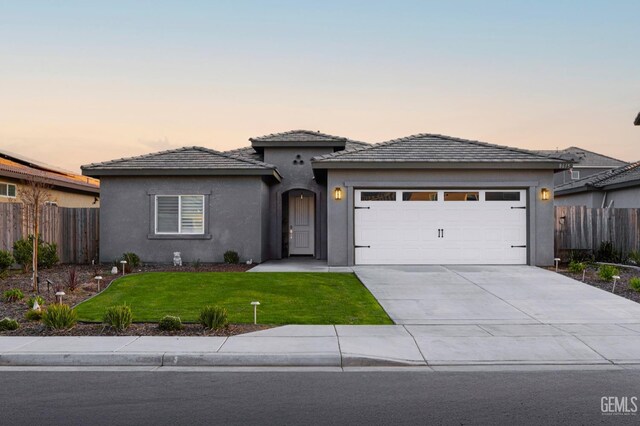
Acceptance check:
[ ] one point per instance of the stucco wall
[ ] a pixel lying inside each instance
(233, 206)
(625, 198)
(539, 213)
(63, 198)
(296, 176)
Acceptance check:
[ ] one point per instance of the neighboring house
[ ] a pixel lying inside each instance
(67, 189)
(585, 163)
(637, 120)
(615, 188)
(423, 199)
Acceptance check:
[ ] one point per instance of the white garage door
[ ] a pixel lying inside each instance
(456, 227)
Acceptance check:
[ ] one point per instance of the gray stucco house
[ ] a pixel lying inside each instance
(422, 199)
(618, 188)
(584, 163)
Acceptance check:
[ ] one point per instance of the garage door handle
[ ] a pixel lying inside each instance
(523, 208)
(518, 246)
(361, 208)
(362, 246)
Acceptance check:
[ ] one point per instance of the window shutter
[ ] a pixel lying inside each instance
(167, 214)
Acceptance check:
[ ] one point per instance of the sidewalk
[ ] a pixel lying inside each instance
(344, 346)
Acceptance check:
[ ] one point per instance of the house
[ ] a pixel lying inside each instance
(422, 199)
(585, 163)
(67, 189)
(619, 188)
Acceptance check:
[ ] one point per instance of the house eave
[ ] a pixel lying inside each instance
(399, 164)
(92, 190)
(182, 172)
(301, 144)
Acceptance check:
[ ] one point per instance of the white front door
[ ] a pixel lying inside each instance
(440, 226)
(301, 224)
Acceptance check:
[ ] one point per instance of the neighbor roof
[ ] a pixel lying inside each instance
(637, 121)
(431, 148)
(628, 175)
(17, 170)
(585, 158)
(191, 160)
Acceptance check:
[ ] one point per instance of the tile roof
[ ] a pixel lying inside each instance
(298, 136)
(22, 171)
(585, 158)
(431, 148)
(187, 158)
(250, 153)
(625, 175)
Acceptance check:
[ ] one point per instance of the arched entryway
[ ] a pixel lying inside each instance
(299, 223)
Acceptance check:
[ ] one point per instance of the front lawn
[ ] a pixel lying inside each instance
(285, 297)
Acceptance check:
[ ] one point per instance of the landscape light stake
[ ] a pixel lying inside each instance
(59, 296)
(584, 271)
(615, 280)
(255, 312)
(556, 260)
(98, 278)
(124, 262)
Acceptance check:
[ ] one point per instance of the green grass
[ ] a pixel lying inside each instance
(285, 297)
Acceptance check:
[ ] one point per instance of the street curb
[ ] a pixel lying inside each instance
(92, 359)
(230, 359)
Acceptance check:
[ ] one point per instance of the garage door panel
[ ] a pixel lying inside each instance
(433, 231)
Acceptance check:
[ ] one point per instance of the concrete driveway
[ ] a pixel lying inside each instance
(493, 296)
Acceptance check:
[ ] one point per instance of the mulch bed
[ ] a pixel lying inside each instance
(87, 287)
(622, 286)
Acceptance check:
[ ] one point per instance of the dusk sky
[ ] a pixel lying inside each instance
(84, 81)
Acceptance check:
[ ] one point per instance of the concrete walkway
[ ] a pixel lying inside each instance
(344, 346)
(298, 264)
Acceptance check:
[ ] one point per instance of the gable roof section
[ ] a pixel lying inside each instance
(624, 176)
(585, 158)
(298, 138)
(192, 160)
(16, 170)
(250, 153)
(433, 151)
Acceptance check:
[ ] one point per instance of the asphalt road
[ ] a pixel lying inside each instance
(302, 398)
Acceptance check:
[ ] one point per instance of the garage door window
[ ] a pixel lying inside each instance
(420, 196)
(378, 196)
(502, 196)
(461, 196)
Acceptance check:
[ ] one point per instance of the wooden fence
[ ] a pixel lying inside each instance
(74, 230)
(582, 228)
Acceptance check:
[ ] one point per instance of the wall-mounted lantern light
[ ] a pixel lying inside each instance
(337, 193)
(545, 194)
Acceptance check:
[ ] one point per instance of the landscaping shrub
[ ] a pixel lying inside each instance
(34, 299)
(231, 257)
(59, 317)
(577, 267)
(23, 253)
(6, 260)
(583, 256)
(8, 324)
(606, 253)
(196, 264)
(118, 317)
(213, 317)
(606, 272)
(133, 261)
(33, 315)
(634, 283)
(13, 295)
(634, 258)
(72, 278)
(170, 323)
(48, 255)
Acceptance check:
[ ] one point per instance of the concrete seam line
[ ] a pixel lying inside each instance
(627, 328)
(339, 348)
(25, 344)
(223, 343)
(127, 344)
(417, 345)
(596, 352)
(495, 295)
(482, 328)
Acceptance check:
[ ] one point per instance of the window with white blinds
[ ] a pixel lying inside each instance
(180, 214)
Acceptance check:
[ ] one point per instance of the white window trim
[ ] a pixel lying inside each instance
(155, 215)
(8, 185)
(575, 174)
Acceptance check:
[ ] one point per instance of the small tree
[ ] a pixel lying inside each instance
(34, 192)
